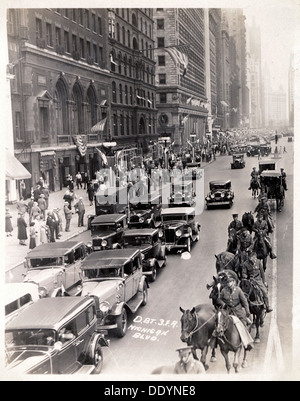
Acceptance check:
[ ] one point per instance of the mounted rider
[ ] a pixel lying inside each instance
(264, 209)
(235, 224)
(254, 176)
(252, 269)
(261, 226)
(283, 179)
(244, 241)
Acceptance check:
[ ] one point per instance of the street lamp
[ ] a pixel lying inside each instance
(193, 137)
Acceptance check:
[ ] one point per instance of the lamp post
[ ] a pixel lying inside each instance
(193, 143)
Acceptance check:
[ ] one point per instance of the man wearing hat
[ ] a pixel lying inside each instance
(236, 223)
(68, 216)
(283, 179)
(244, 241)
(261, 226)
(187, 364)
(254, 176)
(263, 208)
(80, 209)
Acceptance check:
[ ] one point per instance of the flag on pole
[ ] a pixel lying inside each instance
(112, 59)
(179, 55)
(81, 143)
(103, 156)
(99, 127)
(189, 100)
(185, 119)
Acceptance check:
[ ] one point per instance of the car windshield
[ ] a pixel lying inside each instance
(105, 227)
(28, 337)
(214, 187)
(140, 206)
(44, 262)
(172, 217)
(137, 240)
(102, 273)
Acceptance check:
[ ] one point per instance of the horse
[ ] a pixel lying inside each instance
(232, 241)
(256, 304)
(197, 326)
(255, 186)
(228, 339)
(226, 260)
(261, 249)
(248, 221)
(280, 196)
(217, 286)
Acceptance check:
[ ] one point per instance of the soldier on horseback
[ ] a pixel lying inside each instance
(236, 223)
(263, 208)
(254, 177)
(244, 241)
(252, 269)
(283, 179)
(261, 227)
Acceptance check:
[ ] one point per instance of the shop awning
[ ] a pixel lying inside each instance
(14, 170)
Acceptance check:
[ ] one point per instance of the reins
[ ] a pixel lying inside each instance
(199, 328)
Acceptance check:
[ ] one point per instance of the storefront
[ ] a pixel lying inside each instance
(15, 172)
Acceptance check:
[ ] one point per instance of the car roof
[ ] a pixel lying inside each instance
(14, 291)
(109, 258)
(271, 173)
(267, 161)
(53, 249)
(108, 218)
(140, 231)
(220, 182)
(238, 155)
(178, 210)
(47, 313)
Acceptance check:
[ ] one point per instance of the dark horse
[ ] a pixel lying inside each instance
(248, 221)
(255, 186)
(197, 326)
(232, 241)
(228, 339)
(256, 304)
(226, 260)
(261, 249)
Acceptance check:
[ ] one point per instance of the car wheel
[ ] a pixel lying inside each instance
(97, 359)
(188, 245)
(145, 295)
(154, 274)
(121, 324)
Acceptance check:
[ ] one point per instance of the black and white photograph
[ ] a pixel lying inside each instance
(149, 193)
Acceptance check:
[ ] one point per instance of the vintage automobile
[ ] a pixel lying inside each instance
(220, 194)
(107, 231)
(238, 161)
(151, 247)
(55, 267)
(271, 184)
(17, 296)
(182, 193)
(266, 164)
(179, 228)
(144, 214)
(194, 168)
(55, 336)
(254, 150)
(115, 279)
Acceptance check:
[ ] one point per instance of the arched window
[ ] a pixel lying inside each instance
(120, 93)
(136, 70)
(128, 125)
(131, 96)
(114, 92)
(147, 50)
(120, 63)
(135, 45)
(130, 67)
(126, 94)
(61, 112)
(128, 39)
(148, 74)
(134, 20)
(118, 32)
(92, 108)
(77, 117)
(142, 126)
(125, 65)
(112, 62)
(123, 36)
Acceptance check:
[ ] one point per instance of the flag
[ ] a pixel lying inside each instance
(189, 100)
(81, 143)
(112, 60)
(149, 101)
(185, 119)
(99, 127)
(103, 156)
(179, 55)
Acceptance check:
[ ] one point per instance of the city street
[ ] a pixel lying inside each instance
(154, 331)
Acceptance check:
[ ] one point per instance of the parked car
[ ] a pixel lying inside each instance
(151, 247)
(55, 267)
(55, 336)
(220, 194)
(182, 193)
(115, 279)
(107, 231)
(254, 150)
(17, 296)
(145, 214)
(179, 228)
(238, 161)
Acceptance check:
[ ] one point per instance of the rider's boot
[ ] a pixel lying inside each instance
(268, 309)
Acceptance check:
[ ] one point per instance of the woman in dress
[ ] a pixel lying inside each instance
(32, 235)
(22, 232)
(8, 225)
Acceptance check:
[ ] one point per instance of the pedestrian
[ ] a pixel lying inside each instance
(22, 232)
(42, 205)
(57, 223)
(21, 206)
(46, 193)
(69, 197)
(35, 211)
(78, 180)
(29, 207)
(80, 209)
(51, 224)
(70, 182)
(284, 150)
(8, 224)
(85, 180)
(37, 192)
(90, 192)
(37, 223)
(68, 216)
(32, 235)
(44, 233)
(41, 182)
(187, 364)
(23, 189)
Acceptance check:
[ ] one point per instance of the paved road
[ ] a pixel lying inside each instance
(154, 331)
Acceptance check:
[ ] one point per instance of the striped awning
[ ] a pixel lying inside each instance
(14, 169)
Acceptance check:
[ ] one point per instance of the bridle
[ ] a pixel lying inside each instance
(196, 328)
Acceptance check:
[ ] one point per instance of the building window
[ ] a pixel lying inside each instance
(134, 20)
(130, 67)
(80, 10)
(74, 14)
(161, 23)
(118, 32)
(124, 35)
(87, 18)
(114, 92)
(18, 126)
(74, 43)
(81, 47)
(131, 96)
(88, 48)
(125, 66)
(128, 39)
(162, 78)
(49, 40)
(99, 25)
(161, 60)
(163, 98)
(160, 42)
(66, 42)
(126, 94)
(128, 125)
(44, 121)
(38, 29)
(57, 36)
(100, 54)
(94, 27)
(122, 124)
(115, 123)
(95, 54)
(120, 93)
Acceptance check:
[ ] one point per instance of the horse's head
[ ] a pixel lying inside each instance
(188, 323)
(222, 320)
(231, 235)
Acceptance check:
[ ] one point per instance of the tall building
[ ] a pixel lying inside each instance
(181, 96)
(291, 92)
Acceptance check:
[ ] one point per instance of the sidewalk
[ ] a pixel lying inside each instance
(15, 253)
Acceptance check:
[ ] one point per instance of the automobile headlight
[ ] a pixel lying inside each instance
(222, 195)
(43, 292)
(173, 196)
(212, 196)
(104, 242)
(142, 256)
(104, 307)
(89, 244)
(79, 288)
(141, 219)
(178, 233)
(160, 234)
